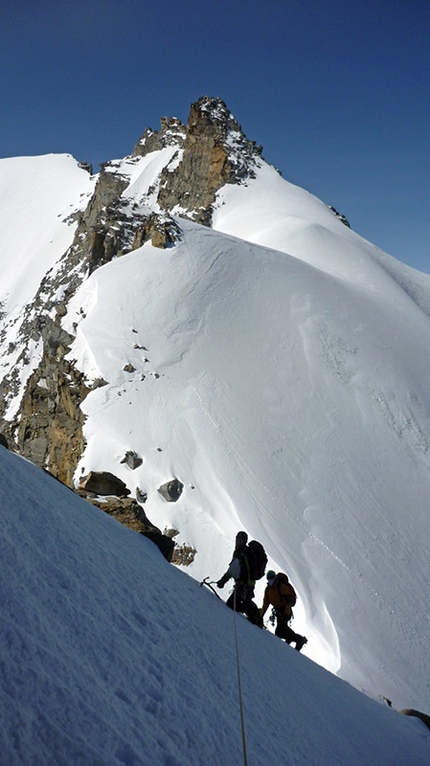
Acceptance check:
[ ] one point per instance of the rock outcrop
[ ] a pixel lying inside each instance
(103, 483)
(49, 430)
(215, 152)
(172, 133)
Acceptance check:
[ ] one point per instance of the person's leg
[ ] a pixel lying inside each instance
(252, 612)
(300, 642)
(284, 631)
(235, 602)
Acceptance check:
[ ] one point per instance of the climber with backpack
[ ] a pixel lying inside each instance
(245, 567)
(281, 595)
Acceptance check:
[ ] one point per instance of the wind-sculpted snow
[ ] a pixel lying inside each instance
(290, 402)
(112, 656)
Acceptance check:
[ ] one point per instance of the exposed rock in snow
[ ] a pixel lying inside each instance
(103, 483)
(172, 490)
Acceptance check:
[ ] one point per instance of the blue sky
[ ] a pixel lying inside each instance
(337, 92)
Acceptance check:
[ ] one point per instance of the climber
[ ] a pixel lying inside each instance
(242, 569)
(281, 595)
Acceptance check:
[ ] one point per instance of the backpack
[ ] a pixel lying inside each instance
(282, 578)
(260, 558)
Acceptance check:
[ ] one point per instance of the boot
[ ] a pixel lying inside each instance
(301, 641)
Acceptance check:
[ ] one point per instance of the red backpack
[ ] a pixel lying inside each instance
(282, 578)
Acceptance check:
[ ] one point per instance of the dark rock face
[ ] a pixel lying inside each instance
(216, 152)
(161, 229)
(49, 432)
(86, 166)
(172, 133)
(102, 230)
(165, 544)
(104, 483)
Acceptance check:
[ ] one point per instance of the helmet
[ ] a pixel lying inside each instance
(271, 575)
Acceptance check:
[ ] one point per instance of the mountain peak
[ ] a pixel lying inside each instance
(216, 152)
(212, 150)
(214, 111)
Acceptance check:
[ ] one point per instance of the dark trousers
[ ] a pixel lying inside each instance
(241, 601)
(284, 631)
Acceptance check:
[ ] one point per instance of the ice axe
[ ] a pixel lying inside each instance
(210, 584)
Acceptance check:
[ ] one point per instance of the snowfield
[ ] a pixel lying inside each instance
(112, 656)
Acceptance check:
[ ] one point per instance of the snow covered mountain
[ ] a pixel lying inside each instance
(192, 307)
(111, 656)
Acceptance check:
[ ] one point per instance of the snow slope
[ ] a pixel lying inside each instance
(281, 373)
(112, 656)
(295, 405)
(38, 195)
(40, 199)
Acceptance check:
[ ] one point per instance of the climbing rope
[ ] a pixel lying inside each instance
(209, 584)
(239, 685)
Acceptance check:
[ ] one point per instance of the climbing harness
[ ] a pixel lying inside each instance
(273, 615)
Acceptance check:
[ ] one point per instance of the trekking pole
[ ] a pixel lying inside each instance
(239, 684)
